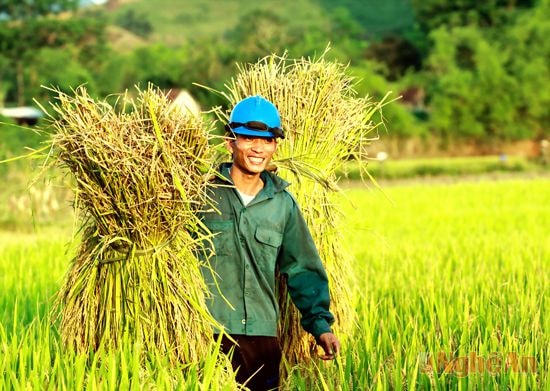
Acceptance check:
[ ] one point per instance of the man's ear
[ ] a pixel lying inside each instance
(229, 144)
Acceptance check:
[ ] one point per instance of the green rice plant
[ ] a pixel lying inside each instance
(32, 354)
(34, 358)
(456, 268)
(140, 167)
(325, 124)
(455, 275)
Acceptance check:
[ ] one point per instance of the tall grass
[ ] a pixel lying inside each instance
(458, 269)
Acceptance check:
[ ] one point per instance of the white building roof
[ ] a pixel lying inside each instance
(21, 112)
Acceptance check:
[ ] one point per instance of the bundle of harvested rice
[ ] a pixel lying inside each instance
(325, 124)
(140, 169)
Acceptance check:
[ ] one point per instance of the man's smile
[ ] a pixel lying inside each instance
(256, 159)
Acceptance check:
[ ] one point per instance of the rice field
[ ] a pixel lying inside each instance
(451, 284)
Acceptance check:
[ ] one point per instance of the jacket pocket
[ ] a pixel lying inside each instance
(223, 234)
(269, 236)
(268, 243)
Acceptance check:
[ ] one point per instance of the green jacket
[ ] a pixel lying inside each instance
(250, 244)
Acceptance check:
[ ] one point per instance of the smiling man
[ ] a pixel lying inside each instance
(259, 230)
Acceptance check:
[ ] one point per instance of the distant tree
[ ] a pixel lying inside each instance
(171, 68)
(4, 84)
(32, 25)
(432, 14)
(29, 9)
(485, 89)
(115, 74)
(343, 23)
(485, 68)
(136, 22)
(370, 19)
(158, 64)
(526, 49)
(258, 34)
(45, 71)
(397, 53)
(399, 121)
(354, 41)
(462, 94)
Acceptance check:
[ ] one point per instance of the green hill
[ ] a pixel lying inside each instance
(174, 21)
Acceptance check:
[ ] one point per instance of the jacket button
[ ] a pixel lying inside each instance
(243, 321)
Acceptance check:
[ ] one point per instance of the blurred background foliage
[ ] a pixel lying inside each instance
(465, 70)
(468, 78)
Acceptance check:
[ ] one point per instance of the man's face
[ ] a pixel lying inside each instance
(251, 155)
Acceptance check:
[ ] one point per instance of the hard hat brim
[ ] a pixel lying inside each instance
(242, 131)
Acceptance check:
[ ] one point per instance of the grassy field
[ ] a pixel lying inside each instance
(461, 270)
(451, 285)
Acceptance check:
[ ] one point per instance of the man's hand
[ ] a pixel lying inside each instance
(330, 345)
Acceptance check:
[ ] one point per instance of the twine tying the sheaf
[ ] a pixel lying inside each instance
(129, 249)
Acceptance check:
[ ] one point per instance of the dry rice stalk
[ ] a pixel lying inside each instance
(325, 123)
(140, 170)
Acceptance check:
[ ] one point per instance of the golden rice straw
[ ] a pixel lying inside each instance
(140, 169)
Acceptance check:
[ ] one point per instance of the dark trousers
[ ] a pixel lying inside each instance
(256, 360)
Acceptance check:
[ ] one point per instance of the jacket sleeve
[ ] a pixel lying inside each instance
(307, 280)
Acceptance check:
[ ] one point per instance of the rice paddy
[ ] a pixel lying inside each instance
(450, 287)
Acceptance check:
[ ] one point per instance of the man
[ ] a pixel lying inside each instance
(259, 229)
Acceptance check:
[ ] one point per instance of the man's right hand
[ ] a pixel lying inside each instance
(330, 345)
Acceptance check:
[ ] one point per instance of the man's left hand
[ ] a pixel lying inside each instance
(330, 345)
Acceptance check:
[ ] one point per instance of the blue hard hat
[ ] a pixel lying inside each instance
(255, 116)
